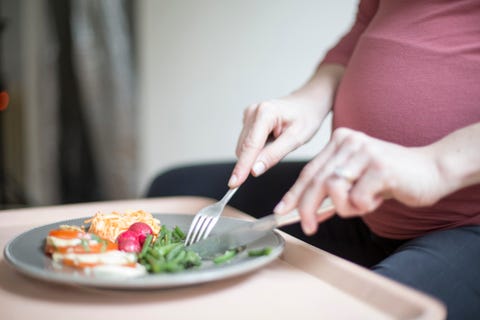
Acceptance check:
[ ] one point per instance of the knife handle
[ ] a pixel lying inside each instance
(294, 216)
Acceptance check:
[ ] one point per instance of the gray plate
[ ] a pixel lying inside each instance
(25, 254)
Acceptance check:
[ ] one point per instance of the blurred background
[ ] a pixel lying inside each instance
(106, 94)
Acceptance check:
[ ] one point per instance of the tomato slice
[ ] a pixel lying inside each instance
(89, 243)
(89, 247)
(66, 234)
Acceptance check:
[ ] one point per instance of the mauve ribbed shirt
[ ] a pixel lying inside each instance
(412, 76)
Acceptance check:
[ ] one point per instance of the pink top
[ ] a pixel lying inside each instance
(412, 77)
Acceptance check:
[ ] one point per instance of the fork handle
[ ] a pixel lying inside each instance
(228, 195)
(292, 217)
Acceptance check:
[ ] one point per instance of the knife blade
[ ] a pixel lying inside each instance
(250, 232)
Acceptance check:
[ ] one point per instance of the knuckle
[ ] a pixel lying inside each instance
(291, 196)
(240, 150)
(307, 171)
(379, 167)
(341, 212)
(271, 156)
(360, 201)
(345, 208)
(248, 144)
(383, 173)
(251, 108)
(317, 181)
(341, 133)
(264, 108)
(364, 202)
(248, 112)
(354, 142)
(357, 141)
(304, 209)
(367, 149)
(330, 185)
(264, 113)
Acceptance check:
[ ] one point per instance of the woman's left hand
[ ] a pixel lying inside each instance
(358, 172)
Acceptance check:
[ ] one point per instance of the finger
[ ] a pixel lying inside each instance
(355, 165)
(309, 202)
(338, 190)
(325, 215)
(240, 169)
(323, 159)
(324, 184)
(248, 121)
(339, 187)
(366, 194)
(241, 139)
(348, 146)
(290, 199)
(276, 150)
(252, 141)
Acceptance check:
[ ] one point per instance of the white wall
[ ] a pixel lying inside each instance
(202, 62)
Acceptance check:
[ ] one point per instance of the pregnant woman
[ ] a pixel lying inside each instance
(403, 164)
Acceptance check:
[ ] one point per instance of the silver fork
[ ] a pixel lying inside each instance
(206, 218)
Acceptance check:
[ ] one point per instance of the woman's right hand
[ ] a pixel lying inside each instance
(274, 128)
(271, 130)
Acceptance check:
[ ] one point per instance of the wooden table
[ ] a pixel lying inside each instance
(305, 282)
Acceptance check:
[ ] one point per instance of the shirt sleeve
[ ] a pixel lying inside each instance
(342, 51)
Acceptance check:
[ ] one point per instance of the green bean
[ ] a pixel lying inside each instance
(180, 256)
(161, 235)
(192, 259)
(179, 233)
(168, 253)
(165, 249)
(171, 267)
(260, 252)
(146, 245)
(153, 264)
(175, 251)
(155, 253)
(227, 256)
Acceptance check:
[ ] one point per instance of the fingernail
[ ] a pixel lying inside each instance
(279, 207)
(308, 229)
(232, 181)
(258, 168)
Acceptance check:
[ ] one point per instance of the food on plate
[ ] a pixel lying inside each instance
(134, 237)
(110, 225)
(128, 244)
(142, 230)
(120, 242)
(226, 257)
(128, 241)
(168, 253)
(260, 252)
(71, 246)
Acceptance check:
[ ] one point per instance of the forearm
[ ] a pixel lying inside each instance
(458, 157)
(320, 89)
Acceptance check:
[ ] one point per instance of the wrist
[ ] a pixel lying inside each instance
(320, 89)
(454, 169)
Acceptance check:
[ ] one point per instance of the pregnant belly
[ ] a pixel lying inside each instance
(407, 95)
